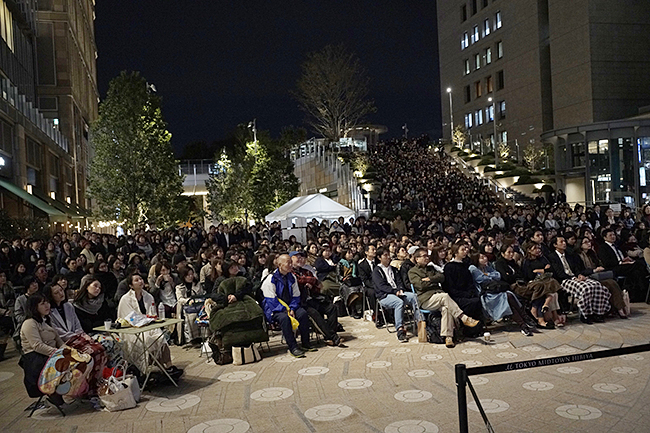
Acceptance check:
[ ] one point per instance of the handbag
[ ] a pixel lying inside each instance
(116, 395)
(626, 300)
(494, 287)
(600, 276)
(422, 332)
(245, 355)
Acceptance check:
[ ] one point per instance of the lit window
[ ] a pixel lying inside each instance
(499, 50)
(478, 117)
(489, 88)
(489, 113)
(464, 41)
(497, 22)
(475, 35)
(7, 25)
(486, 27)
(502, 109)
(478, 89)
(488, 56)
(477, 61)
(468, 121)
(467, 67)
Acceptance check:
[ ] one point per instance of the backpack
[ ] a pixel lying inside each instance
(433, 329)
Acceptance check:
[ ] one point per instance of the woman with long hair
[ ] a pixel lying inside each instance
(540, 288)
(188, 293)
(91, 306)
(62, 314)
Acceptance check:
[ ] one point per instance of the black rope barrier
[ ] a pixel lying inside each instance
(463, 373)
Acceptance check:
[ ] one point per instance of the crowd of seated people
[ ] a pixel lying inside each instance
(441, 241)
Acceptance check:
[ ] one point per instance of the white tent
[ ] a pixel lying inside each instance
(310, 206)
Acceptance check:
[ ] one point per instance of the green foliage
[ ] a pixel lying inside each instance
(253, 177)
(527, 180)
(24, 227)
(508, 166)
(519, 171)
(134, 177)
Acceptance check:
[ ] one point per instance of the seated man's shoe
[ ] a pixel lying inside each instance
(468, 321)
(449, 342)
(309, 348)
(401, 336)
(586, 320)
(297, 353)
(339, 328)
(526, 331)
(598, 318)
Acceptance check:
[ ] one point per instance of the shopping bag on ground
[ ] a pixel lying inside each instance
(245, 355)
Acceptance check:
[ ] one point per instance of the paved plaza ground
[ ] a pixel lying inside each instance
(380, 385)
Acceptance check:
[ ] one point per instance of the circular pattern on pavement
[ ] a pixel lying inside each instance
(313, 371)
(411, 426)
(378, 364)
(507, 355)
(538, 386)
(490, 406)
(5, 375)
(421, 373)
(413, 396)
(480, 380)
(366, 337)
(502, 346)
(349, 355)
(625, 370)
(401, 350)
(287, 358)
(632, 357)
(578, 411)
(569, 370)
(610, 388)
(379, 343)
(272, 394)
(355, 383)
(471, 363)
(328, 412)
(237, 376)
(225, 425)
(359, 330)
(471, 351)
(431, 357)
(531, 349)
(175, 404)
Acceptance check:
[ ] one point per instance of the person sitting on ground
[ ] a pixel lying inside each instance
(316, 304)
(498, 301)
(282, 304)
(391, 293)
(63, 317)
(140, 301)
(568, 269)
(91, 307)
(426, 282)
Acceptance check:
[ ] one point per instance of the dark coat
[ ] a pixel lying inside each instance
(574, 261)
(365, 273)
(382, 286)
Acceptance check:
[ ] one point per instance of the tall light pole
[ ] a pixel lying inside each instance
(451, 116)
(494, 124)
(253, 127)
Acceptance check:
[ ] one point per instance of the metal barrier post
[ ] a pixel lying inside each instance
(461, 384)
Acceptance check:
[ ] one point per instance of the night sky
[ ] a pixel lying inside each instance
(220, 63)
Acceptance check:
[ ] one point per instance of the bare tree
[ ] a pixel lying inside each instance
(532, 155)
(459, 137)
(333, 91)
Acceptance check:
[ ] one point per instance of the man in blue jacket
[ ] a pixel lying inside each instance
(280, 288)
(391, 293)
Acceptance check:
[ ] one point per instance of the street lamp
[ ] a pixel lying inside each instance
(494, 124)
(253, 127)
(451, 116)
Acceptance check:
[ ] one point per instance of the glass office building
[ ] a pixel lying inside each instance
(604, 162)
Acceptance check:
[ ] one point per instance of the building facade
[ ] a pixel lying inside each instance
(47, 101)
(547, 65)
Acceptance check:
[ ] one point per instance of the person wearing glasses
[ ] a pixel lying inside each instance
(427, 283)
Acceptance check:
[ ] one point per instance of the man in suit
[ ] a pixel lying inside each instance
(569, 270)
(391, 293)
(635, 271)
(366, 266)
(222, 238)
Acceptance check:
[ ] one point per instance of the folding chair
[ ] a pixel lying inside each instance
(408, 317)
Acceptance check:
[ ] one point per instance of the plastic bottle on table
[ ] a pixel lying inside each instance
(161, 311)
